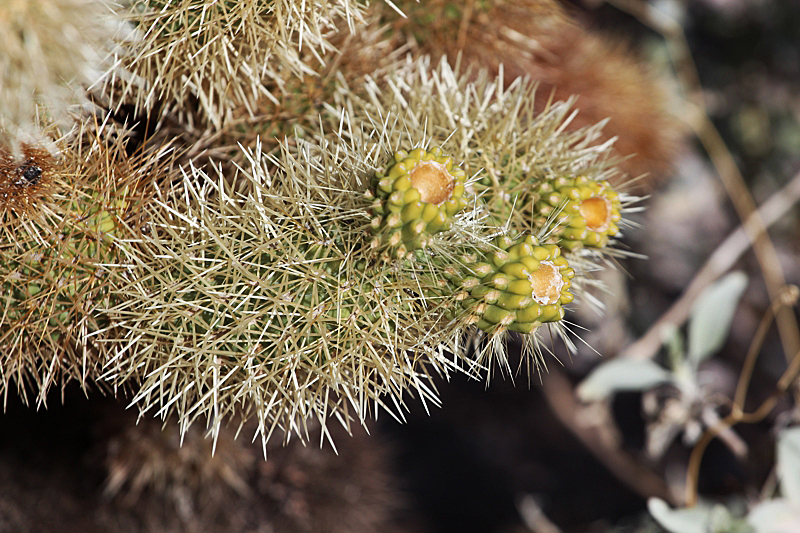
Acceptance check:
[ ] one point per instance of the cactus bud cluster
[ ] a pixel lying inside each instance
(417, 196)
(587, 211)
(517, 286)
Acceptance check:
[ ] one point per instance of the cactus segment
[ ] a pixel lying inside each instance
(61, 232)
(275, 288)
(527, 285)
(590, 211)
(417, 196)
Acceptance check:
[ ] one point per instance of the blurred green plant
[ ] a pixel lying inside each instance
(693, 408)
(770, 515)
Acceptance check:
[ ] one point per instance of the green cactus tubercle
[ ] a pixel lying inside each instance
(590, 211)
(517, 286)
(417, 196)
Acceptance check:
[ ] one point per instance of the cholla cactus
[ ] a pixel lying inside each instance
(58, 221)
(51, 50)
(322, 282)
(276, 299)
(218, 56)
(267, 290)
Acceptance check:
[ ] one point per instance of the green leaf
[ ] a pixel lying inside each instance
(676, 349)
(703, 518)
(789, 464)
(621, 374)
(712, 315)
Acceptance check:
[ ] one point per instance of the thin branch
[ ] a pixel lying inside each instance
(737, 415)
(723, 258)
(737, 408)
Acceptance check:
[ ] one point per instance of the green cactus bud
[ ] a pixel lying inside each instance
(590, 212)
(426, 189)
(528, 288)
